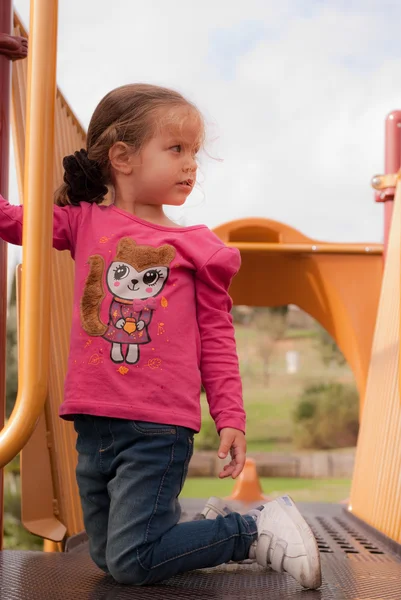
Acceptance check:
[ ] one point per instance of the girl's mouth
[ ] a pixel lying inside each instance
(186, 183)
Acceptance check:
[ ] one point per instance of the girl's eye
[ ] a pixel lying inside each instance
(121, 272)
(176, 148)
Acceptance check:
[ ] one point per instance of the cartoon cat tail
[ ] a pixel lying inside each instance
(92, 298)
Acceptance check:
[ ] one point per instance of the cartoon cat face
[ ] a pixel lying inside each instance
(124, 281)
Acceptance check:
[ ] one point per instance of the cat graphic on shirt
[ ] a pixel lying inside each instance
(135, 277)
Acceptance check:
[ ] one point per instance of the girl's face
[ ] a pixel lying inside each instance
(166, 170)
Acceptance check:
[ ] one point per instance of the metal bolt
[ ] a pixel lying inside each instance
(314, 247)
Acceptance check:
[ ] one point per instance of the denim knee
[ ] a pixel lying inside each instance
(99, 559)
(125, 567)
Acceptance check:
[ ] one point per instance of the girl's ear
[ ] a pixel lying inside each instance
(166, 254)
(120, 158)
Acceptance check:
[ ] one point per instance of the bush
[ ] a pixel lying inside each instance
(207, 438)
(327, 416)
(16, 537)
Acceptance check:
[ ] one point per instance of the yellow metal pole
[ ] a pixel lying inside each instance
(308, 248)
(5, 80)
(37, 230)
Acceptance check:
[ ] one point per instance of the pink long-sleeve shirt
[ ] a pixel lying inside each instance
(151, 317)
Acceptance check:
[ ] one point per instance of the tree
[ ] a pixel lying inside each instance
(330, 352)
(271, 324)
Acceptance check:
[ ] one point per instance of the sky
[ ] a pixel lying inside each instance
(295, 95)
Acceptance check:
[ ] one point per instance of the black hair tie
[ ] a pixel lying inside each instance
(84, 178)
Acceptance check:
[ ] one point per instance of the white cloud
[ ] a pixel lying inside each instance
(296, 93)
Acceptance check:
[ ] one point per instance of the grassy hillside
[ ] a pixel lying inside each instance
(270, 402)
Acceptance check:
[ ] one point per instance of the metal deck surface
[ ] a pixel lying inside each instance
(357, 565)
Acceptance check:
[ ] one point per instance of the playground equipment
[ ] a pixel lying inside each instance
(341, 285)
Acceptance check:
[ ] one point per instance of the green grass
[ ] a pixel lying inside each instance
(271, 445)
(300, 333)
(301, 490)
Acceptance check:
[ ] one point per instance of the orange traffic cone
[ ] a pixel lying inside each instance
(247, 488)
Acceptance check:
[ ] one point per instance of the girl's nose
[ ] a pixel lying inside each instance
(190, 166)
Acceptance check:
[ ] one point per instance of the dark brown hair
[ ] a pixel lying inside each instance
(131, 114)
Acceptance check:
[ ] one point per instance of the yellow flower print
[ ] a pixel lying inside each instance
(154, 363)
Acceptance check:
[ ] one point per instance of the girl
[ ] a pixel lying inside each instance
(151, 321)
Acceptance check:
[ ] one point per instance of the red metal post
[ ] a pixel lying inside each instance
(392, 164)
(5, 80)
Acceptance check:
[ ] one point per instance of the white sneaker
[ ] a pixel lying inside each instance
(286, 542)
(213, 508)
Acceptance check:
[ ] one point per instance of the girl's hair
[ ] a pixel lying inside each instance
(131, 114)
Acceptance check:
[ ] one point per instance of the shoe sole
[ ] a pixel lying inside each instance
(309, 541)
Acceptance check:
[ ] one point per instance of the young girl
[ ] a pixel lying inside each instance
(151, 321)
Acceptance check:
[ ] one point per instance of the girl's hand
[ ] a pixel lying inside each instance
(233, 441)
(13, 47)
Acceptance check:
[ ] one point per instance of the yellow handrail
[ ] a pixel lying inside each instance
(308, 248)
(37, 231)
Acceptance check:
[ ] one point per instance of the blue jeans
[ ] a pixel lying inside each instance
(130, 474)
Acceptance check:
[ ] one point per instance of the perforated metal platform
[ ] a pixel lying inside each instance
(357, 565)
